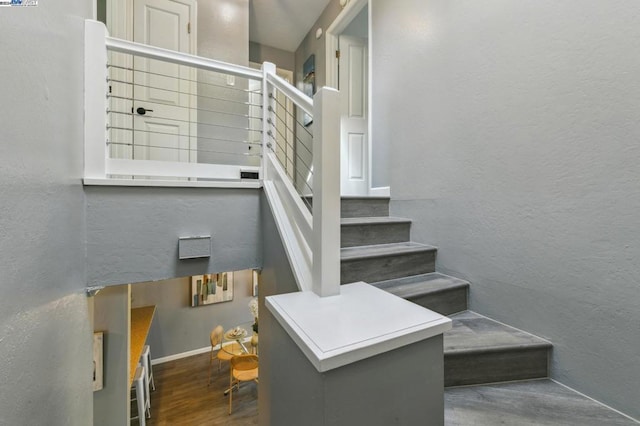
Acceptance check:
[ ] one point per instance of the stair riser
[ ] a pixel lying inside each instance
(445, 302)
(387, 267)
(361, 235)
(364, 207)
(491, 367)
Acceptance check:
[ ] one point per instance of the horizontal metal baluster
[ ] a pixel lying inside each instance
(259, 91)
(133, 114)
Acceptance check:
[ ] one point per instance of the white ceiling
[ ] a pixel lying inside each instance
(282, 23)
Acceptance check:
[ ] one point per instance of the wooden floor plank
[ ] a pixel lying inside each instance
(183, 397)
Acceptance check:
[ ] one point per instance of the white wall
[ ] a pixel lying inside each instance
(223, 30)
(45, 335)
(512, 138)
(359, 26)
(223, 34)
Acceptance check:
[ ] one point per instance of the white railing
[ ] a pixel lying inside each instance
(197, 129)
(260, 132)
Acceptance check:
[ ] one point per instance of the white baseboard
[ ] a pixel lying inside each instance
(381, 191)
(189, 353)
(180, 355)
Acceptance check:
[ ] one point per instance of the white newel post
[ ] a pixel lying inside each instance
(326, 192)
(95, 99)
(267, 115)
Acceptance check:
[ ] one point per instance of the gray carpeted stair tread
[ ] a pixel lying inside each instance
(474, 333)
(382, 220)
(536, 402)
(479, 350)
(383, 250)
(438, 292)
(420, 285)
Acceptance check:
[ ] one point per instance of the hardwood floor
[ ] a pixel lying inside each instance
(182, 396)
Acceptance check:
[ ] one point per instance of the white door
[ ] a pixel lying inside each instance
(164, 93)
(353, 85)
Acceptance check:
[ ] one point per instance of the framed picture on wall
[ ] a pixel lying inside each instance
(309, 84)
(98, 360)
(208, 289)
(254, 282)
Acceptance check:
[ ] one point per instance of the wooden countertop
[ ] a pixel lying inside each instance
(140, 323)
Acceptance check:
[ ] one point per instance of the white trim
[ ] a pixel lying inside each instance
(298, 252)
(361, 322)
(325, 241)
(291, 200)
(180, 58)
(253, 184)
(332, 34)
(187, 354)
(299, 98)
(268, 115)
(339, 24)
(95, 99)
(380, 191)
(114, 166)
(370, 96)
(181, 355)
(120, 18)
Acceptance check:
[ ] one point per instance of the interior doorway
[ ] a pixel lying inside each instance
(163, 92)
(348, 69)
(153, 103)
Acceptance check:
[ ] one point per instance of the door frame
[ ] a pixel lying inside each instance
(332, 34)
(342, 21)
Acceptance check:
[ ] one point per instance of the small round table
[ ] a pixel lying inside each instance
(232, 342)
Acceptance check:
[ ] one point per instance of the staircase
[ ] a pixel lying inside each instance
(377, 249)
(494, 374)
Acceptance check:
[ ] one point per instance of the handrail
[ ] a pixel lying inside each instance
(298, 98)
(179, 58)
(311, 240)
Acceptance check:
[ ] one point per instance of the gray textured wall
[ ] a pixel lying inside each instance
(276, 278)
(132, 233)
(177, 327)
(401, 387)
(513, 144)
(111, 315)
(260, 53)
(312, 46)
(45, 334)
